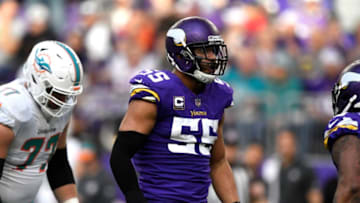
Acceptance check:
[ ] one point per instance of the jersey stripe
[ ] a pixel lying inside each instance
(328, 132)
(350, 127)
(326, 142)
(135, 91)
(76, 65)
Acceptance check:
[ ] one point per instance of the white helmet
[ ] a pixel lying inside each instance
(54, 76)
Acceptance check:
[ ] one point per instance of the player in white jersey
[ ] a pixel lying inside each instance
(34, 114)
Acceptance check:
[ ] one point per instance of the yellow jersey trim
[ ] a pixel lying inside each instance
(350, 127)
(326, 142)
(135, 91)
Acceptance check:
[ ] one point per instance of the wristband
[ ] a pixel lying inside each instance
(72, 200)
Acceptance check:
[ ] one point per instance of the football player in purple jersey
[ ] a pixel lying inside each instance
(173, 126)
(342, 134)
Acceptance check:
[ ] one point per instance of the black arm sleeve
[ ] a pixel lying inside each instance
(59, 172)
(126, 145)
(2, 162)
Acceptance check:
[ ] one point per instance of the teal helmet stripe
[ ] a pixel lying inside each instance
(77, 68)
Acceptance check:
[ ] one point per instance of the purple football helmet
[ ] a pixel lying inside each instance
(346, 92)
(196, 34)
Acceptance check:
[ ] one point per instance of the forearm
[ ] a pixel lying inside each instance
(126, 145)
(61, 178)
(2, 162)
(346, 195)
(223, 182)
(66, 193)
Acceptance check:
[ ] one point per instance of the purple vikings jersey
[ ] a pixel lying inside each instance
(174, 164)
(342, 124)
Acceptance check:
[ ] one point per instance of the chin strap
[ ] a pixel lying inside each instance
(203, 77)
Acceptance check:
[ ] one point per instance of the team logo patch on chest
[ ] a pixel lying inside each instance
(45, 131)
(179, 103)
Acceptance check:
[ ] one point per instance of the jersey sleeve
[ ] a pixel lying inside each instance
(227, 92)
(147, 86)
(14, 107)
(5, 118)
(347, 124)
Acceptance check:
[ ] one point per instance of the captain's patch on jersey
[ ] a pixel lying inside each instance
(179, 103)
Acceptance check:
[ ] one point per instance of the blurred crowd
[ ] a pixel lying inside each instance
(285, 56)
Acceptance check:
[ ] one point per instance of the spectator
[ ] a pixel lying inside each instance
(251, 187)
(11, 29)
(245, 77)
(354, 53)
(290, 177)
(38, 29)
(258, 191)
(282, 91)
(94, 183)
(97, 33)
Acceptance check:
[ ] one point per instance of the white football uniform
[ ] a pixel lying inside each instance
(34, 143)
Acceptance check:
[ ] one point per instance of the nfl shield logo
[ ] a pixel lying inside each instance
(198, 102)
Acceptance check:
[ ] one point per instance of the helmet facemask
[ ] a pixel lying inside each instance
(209, 59)
(58, 102)
(53, 101)
(334, 98)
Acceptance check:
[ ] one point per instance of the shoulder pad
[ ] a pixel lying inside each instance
(150, 77)
(15, 102)
(225, 92)
(148, 83)
(339, 125)
(224, 86)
